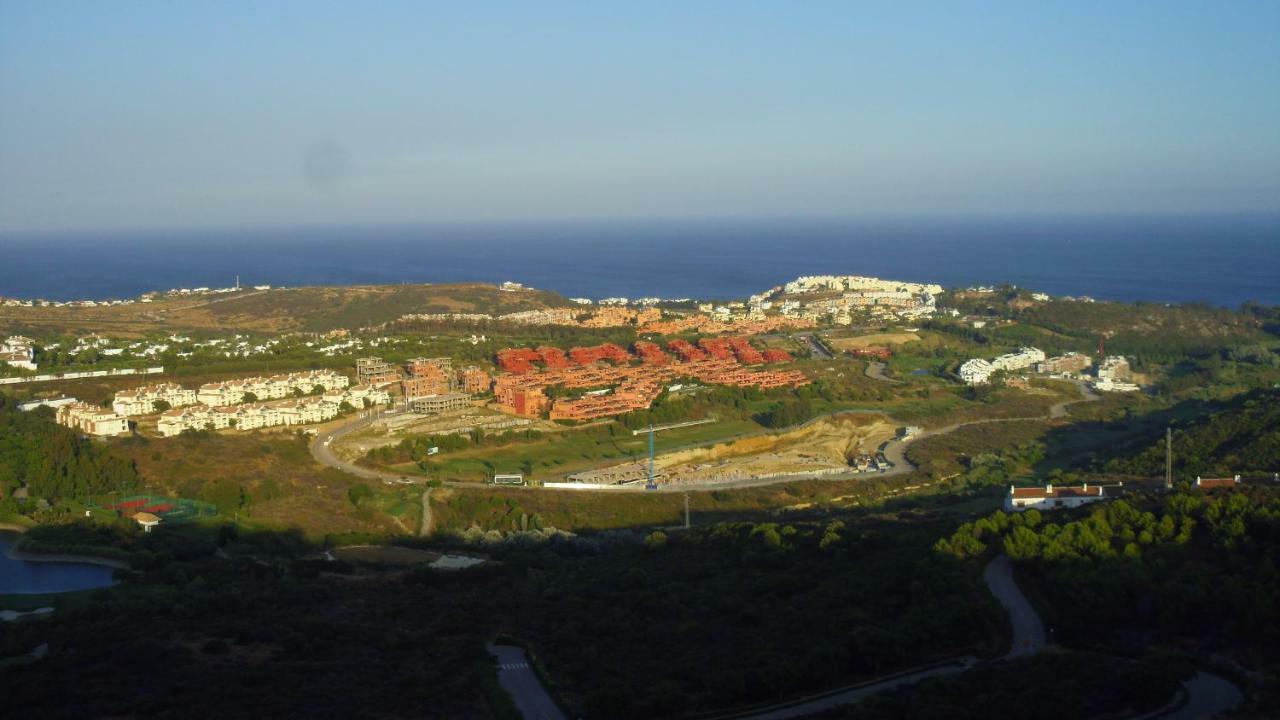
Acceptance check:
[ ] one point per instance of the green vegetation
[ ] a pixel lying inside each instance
(53, 463)
(743, 612)
(1188, 568)
(1241, 436)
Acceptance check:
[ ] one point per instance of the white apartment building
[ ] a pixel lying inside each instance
(232, 392)
(1022, 358)
(1115, 375)
(357, 394)
(976, 371)
(142, 400)
(247, 417)
(92, 420)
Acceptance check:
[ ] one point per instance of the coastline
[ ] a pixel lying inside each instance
(17, 554)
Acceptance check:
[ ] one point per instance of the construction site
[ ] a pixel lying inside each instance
(835, 445)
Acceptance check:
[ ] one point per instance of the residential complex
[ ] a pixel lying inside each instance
(251, 416)
(91, 420)
(611, 385)
(840, 283)
(979, 371)
(142, 400)
(232, 392)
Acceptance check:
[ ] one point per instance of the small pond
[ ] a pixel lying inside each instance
(39, 576)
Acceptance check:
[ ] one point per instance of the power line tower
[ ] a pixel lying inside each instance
(1168, 458)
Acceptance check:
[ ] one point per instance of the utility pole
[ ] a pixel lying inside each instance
(1168, 458)
(651, 485)
(686, 511)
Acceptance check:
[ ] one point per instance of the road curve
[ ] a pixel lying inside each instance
(518, 678)
(320, 450)
(1028, 629)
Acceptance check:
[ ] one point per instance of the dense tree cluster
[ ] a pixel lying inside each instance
(745, 612)
(1193, 563)
(53, 462)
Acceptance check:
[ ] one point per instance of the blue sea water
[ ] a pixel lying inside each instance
(1223, 260)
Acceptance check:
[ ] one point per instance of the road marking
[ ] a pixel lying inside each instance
(515, 666)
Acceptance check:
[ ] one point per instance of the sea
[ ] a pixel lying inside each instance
(1222, 260)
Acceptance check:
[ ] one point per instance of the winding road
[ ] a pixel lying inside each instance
(1028, 629)
(1207, 695)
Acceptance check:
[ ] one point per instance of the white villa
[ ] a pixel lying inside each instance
(1051, 498)
(18, 351)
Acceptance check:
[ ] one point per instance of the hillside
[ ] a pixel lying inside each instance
(317, 308)
(1241, 437)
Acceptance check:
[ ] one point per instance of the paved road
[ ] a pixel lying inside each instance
(817, 346)
(1028, 630)
(518, 679)
(320, 450)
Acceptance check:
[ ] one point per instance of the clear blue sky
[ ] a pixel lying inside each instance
(173, 114)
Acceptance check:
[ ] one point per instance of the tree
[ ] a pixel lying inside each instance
(250, 397)
(161, 406)
(358, 494)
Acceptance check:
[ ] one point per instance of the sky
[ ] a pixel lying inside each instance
(117, 115)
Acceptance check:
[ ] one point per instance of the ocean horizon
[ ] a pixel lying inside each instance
(1221, 260)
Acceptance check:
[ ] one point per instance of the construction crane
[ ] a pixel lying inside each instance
(652, 484)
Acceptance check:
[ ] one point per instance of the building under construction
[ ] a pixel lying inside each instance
(436, 404)
(375, 371)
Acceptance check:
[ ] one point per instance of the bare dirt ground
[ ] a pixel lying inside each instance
(391, 429)
(823, 446)
(861, 341)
